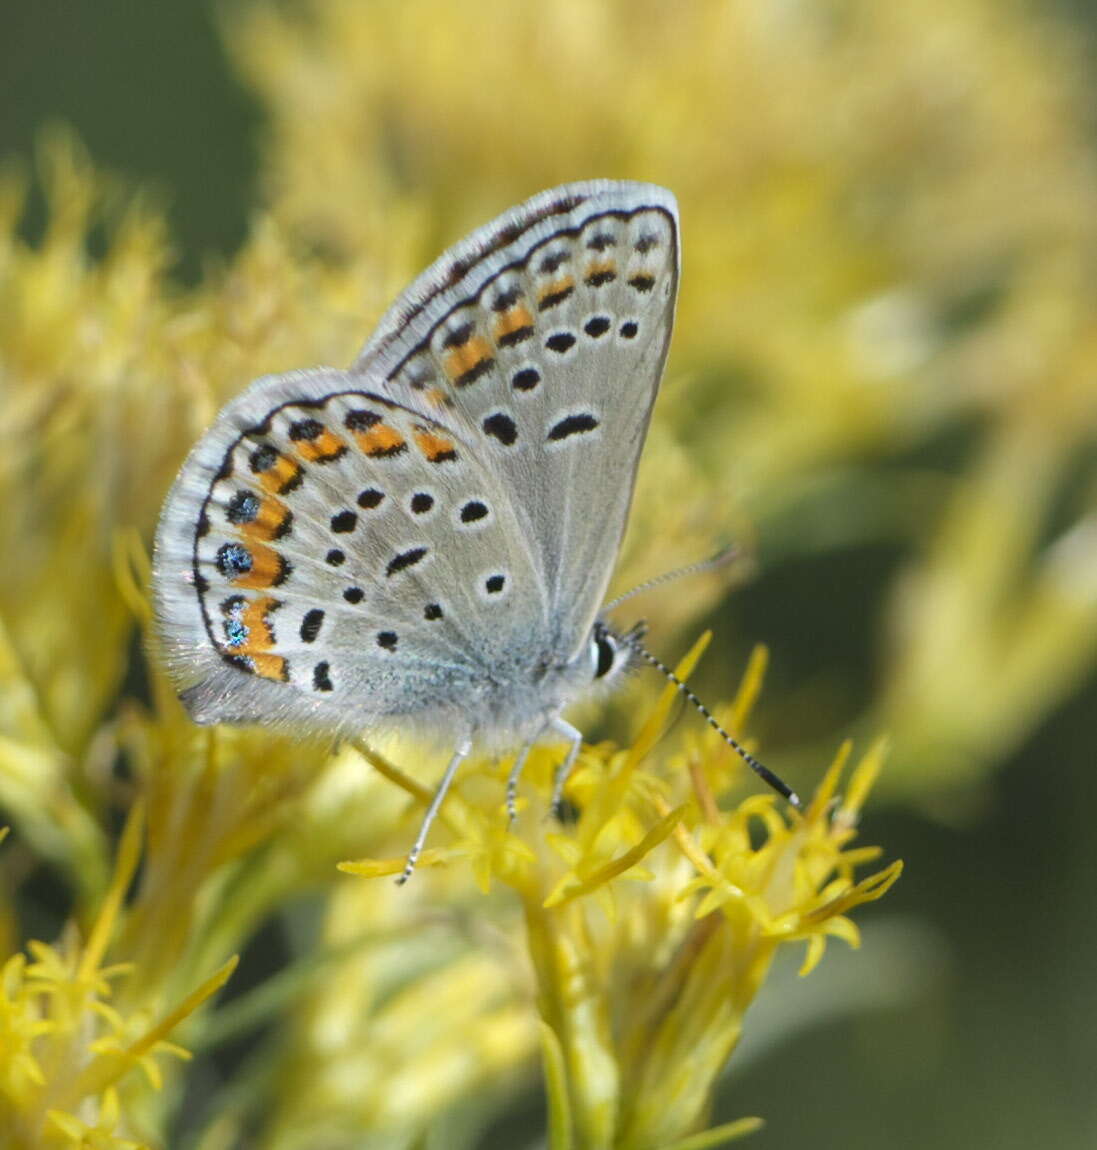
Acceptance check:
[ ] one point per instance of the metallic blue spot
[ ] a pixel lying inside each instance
(243, 507)
(236, 634)
(233, 560)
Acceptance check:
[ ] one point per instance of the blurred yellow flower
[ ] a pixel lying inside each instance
(65, 1048)
(888, 217)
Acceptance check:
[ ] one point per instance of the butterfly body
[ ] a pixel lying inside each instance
(424, 540)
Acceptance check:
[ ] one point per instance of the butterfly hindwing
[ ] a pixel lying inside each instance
(346, 557)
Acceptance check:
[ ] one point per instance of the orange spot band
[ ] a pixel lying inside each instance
(381, 439)
(515, 319)
(437, 448)
(324, 447)
(268, 568)
(270, 523)
(283, 476)
(464, 361)
(271, 667)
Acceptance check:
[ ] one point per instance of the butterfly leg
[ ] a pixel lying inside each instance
(460, 753)
(563, 771)
(512, 779)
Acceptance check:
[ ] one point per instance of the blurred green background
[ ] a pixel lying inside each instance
(968, 1018)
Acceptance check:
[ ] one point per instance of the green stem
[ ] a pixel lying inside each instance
(573, 1007)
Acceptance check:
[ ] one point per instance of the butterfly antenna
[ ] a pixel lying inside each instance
(723, 556)
(760, 769)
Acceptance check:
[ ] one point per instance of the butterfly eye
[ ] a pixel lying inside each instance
(603, 652)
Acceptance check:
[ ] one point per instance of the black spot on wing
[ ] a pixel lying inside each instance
(311, 624)
(361, 420)
(557, 296)
(505, 300)
(500, 426)
(305, 429)
(570, 425)
(517, 336)
(458, 336)
(600, 277)
(405, 559)
(553, 262)
(480, 368)
(560, 342)
(526, 379)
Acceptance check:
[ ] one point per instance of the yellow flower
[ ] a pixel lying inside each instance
(98, 1136)
(652, 922)
(65, 1047)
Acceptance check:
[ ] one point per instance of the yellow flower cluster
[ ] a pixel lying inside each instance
(64, 1048)
(652, 922)
(888, 228)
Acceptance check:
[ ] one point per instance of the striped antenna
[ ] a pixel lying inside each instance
(760, 769)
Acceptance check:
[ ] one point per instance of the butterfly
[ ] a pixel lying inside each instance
(423, 542)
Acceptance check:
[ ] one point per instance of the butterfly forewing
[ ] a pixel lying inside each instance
(543, 337)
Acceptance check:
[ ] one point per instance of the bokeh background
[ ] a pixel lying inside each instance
(883, 380)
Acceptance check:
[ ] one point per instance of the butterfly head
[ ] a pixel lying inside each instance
(611, 654)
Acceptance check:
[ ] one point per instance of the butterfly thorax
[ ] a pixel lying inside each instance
(516, 697)
(510, 699)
